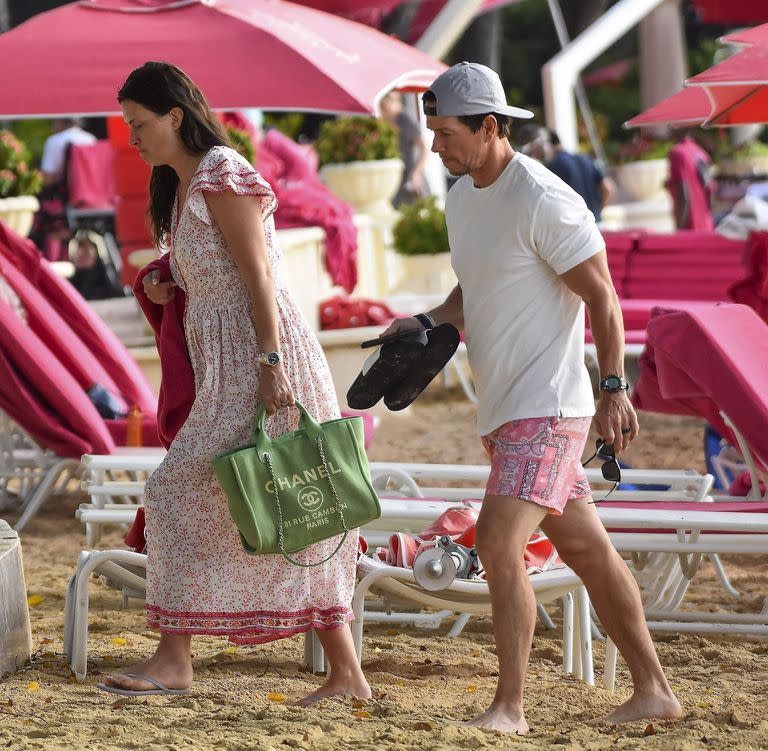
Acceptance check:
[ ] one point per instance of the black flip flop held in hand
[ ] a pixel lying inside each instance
(384, 369)
(442, 342)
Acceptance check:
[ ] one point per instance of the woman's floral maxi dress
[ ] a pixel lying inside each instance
(199, 579)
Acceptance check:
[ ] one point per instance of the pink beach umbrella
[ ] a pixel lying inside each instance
(242, 53)
(697, 104)
(737, 87)
(707, 359)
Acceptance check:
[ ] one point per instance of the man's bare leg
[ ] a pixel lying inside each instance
(504, 527)
(584, 545)
(345, 677)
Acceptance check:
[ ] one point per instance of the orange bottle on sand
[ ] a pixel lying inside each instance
(133, 427)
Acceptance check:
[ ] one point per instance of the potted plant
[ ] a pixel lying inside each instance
(642, 168)
(360, 162)
(748, 159)
(18, 184)
(420, 242)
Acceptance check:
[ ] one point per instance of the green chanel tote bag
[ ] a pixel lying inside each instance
(306, 486)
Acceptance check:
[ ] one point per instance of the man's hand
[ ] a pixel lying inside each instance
(402, 324)
(158, 292)
(616, 419)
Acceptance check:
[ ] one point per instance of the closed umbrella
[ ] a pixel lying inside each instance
(242, 53)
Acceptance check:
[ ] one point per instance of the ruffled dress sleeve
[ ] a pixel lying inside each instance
(226, 169)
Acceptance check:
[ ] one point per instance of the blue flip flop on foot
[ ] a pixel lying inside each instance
(159, 690)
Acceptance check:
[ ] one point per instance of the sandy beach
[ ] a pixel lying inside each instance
(424, 683)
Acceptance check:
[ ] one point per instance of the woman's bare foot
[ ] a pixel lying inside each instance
(350, 685)
(662, 706)
(171, 674)
(506, 720)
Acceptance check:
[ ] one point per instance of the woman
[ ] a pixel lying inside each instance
(248, 343)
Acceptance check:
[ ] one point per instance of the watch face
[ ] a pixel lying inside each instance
(613, 383)
(273, 358)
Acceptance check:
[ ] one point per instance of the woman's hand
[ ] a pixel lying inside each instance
(274, 389)
(158, 292)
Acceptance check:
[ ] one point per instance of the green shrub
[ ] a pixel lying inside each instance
(753, 148)
(421, 228)
(242, 142)
(17, 178)
(641, 148)
(356, 139)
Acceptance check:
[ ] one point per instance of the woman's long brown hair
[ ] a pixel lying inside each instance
(160, 87)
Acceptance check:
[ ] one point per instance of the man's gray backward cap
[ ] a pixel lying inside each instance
(470, 89)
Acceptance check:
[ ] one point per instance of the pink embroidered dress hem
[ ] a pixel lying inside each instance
(199, 578)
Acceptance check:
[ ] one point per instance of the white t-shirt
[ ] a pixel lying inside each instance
(524, 328)
(55, 148)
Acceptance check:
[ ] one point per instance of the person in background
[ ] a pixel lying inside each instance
(66, 131)
(577, 170)
(412, 148)
(690, 184)
(51, 231)
(93, 279)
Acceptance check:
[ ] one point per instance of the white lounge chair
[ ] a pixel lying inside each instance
(29, 474)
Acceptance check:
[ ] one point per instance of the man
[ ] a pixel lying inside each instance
(577, 170)
(66, 131)
(690, 184)
(528, 256)
(51, 231)
(413, 150)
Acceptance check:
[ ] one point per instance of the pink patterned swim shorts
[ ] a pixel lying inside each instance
(538, 459)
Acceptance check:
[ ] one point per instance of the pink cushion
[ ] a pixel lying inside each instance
(57, 334)
(695, 240)
(39, 394)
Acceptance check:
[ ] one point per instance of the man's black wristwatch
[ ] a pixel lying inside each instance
(613, 384)
(425, 320)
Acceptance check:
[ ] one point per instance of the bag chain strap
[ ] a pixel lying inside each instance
(280, 538)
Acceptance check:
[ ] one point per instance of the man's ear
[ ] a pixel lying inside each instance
(490, 126)
(177, 115)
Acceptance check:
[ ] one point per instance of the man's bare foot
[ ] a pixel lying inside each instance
(647, 707)
(354, 685)
(170, 673)
(511, 720)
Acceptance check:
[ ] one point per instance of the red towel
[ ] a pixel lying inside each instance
(167, 322)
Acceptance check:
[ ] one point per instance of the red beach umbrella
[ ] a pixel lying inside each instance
(737, 87)
(242, 53)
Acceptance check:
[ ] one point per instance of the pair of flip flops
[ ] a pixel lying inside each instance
(400, 370)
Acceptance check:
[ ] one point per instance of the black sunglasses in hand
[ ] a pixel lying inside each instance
(610, 467)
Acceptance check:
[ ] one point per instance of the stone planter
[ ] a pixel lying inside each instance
(367, 186)
(423, 274)
(744, 167)
(642, 180)
(19, 212)
(15, 634)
